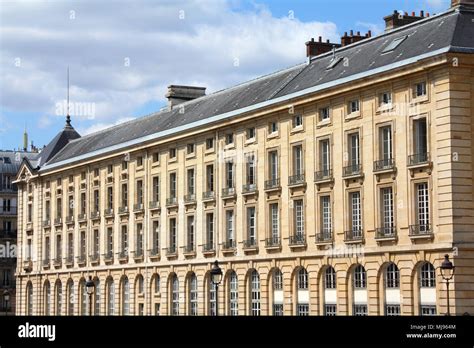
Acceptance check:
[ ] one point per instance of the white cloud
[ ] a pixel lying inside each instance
(162, 49)
(438, 4)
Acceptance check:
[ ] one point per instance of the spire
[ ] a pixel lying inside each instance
(25, 140)
(68, 117)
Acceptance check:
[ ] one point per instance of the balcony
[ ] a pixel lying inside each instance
(324, 237)
(387, 164)
(58, 221)
(109, 257)
(419, 159)
(323, 176)
(109, 212)
(138, 255)
(69, 219)
(46, 263)
(209, 248)
(82, 217)
(171, 202)
(95, 258)
(46, 223)
(8, 234)
(421, 231)
(228, 192)
(272, 185)
(171, 251)
(208, 196)
(57, 262)
(123, 210)
(387, 233)
(249, 189)
(12, 210)
(69, 260)
(155, 252)
(229, 246)
(190, 198)
(353, 170)
(81, 260)
(296, 180)
(273, 243)
(123, 255)
(297, 240)
(354, 236)
(189, 250)
(154, 205)
(95, 215)
(138, 208)
(27, 265)
(250, 244)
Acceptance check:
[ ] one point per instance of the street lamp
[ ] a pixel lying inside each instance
(6, 298)
(447, 272)
(90, 286)
(216, 277)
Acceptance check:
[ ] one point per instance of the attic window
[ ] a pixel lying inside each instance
(334, 62)
(394, 44)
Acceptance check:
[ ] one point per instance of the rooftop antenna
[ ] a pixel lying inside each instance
(68, 117)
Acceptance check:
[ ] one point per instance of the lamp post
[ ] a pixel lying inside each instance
(90, 287)
(6, 298)
(447, 272)
(216, 277)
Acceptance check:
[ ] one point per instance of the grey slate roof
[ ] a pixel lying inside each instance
(10, 161)
(57, 144)
(452, 31)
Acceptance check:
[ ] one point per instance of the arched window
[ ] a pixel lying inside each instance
(233, 294)
(255, 293)
(110, 297)
(392, 291)
(140, 285)
(139, 295)
(330, 292)
(193, 295)
(212, 298)
(277, 293)
(125, 296)
(83, 297)
(29, 299)
(156, 281)
(71, 297)
(360, 291)
(427, 289)
(97, 297)
(175, 295)
(47, 298)
(302, 295)
(59, 297)
(156, 290)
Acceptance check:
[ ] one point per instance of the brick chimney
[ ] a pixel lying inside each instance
(397, 19)
(180, 94)
(455, 3)
(350, 39)
(315, 48)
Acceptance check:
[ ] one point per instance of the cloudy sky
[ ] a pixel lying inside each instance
(122, 54)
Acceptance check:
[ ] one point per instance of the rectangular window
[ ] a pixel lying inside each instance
(302, 309)
(30, 212)
(251, 170)
(96, 200)
(392, 310)
(156, 157)
(420, 141)
(59, 208)
(229, 227)
(47, 249)
(420, 89)
(47, 210)
(83, 245)
(422, 206)
(273, 166)
(156, 189)
(428, 310)
(273, 127)
(96, 241)
(70, 206)
(323, 114)
(354, 150)
(139, 192)
(124, 165)
(278, 309)
(324, 156)
(172, 185)
(298, 167)
(274, 222)
(210, 178)
(70, 245)
(385, 98)
(124, 195)
(110, 241)
(190, 149)
(124, 239)
(386, 212)
(209, 143)
(210, 230)
(298, 218)
(360, 310)
(355, 214)
(173, 236)
(139, 161)
(386, 146)
(59, 247)
(155, 237)
(172, 153)
(229, 174)
(190, 177)
(330, 310)
(326, 217)
(353, 106)
(229, 138)
(139, 241)
(83, 203)
(251, 225)
(297, 121)
(191, 237)
(110, 198)
(250, 133)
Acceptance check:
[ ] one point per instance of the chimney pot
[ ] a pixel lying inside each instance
(352, 32)
(320, 39)
(327, 41)
(179, 94)
(370, 33)
(422, 13)
(427, 14)
(413, 14)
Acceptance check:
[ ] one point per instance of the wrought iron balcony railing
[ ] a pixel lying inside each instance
(384, 164)
(419, 158)
(272, 184)
(386, 232)
(352, 170)
(297, 179)
(273, 242)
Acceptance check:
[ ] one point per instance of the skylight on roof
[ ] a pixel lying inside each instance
(334, 62)
(394, 44)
